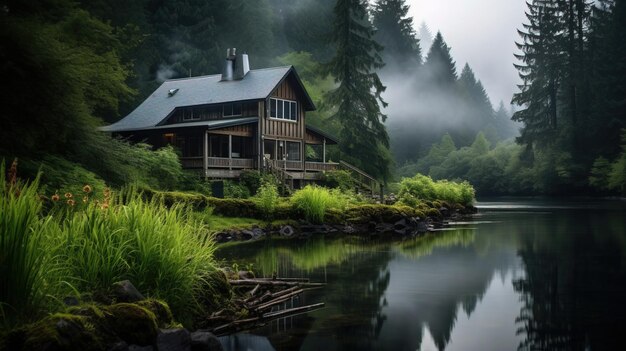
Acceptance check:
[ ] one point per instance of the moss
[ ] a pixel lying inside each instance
(380, 213)
(161, 310)
(234, 207)
(60, 331)
(87, 310)
(132, 323)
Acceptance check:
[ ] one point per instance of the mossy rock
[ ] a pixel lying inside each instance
(235, 207)
(379, 213)
(161, 310)
(217, 291)
(59, 331)
(334, 216)
(132, 323)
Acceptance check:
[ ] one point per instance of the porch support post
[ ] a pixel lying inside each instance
(324, 151)
(230, 152)
(205, 154)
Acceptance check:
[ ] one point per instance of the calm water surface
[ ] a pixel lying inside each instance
(521, 275)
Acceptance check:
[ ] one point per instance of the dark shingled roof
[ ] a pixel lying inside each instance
(256, 85)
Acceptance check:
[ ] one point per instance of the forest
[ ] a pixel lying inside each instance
(69, 67)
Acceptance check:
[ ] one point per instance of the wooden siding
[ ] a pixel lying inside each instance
(211, 112)
(247, 130)
(284, 129)
(312, 138)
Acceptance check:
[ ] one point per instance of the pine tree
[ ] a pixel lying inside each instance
(357, 99)
(540, 72)
(394, 29)
(439, 64)
(425, 36)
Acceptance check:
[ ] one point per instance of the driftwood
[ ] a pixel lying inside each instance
(277, 283)
(239, 324)
(265, 294)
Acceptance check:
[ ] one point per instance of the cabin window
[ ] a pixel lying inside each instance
(242, 147)
(293, 151)
(190, 146)
(284, 109)
(231, 110)
(188, 114)
(269, 149)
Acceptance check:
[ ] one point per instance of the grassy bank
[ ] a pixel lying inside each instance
(79, 244)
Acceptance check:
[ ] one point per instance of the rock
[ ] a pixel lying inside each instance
(245, 275)
(132, 323)
(125, 291)
(246, 234)
(287, 231)
(119, 346)
(174, 340)
(205, 341)
(348, 229)
(258, 233)
(140, 348)
(161, 311)
(384, 227)
(401, 224)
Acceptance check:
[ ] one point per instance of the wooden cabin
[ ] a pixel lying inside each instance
(240, 119)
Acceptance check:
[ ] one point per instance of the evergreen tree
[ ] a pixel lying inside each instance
(394, 29)
(358, 97)
(540, 73)
(439, 65)
(425, 36)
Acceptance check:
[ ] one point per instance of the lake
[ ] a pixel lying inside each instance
(522, 274)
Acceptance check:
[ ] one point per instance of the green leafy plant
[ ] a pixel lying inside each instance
(267, 199)
(420, 187)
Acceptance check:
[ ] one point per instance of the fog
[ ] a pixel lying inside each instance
(480, 32)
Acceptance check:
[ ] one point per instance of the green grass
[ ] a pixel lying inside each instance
(314, 201)
(165, 251)
(23, 266)
(217, 223)
(420, 188)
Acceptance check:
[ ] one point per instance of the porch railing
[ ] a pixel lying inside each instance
(218, 162)
(321, 166)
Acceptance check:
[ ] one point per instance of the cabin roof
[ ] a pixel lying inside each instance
(209, 124)
(256, 85)
(323, 134)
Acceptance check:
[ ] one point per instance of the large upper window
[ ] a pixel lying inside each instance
(231, 110)
(284, 109)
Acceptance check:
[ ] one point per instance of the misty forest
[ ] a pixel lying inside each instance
(160, 188)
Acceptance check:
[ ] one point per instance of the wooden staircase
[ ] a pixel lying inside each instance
(364, 182)
(281, 174)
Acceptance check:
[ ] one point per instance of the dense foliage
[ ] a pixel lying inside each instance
(84, 242)
(421, 188)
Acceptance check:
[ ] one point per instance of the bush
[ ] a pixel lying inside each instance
(339, 179)
(62, 176)
(267, 198)
(313, 201)
(235, 190)
(421, 188)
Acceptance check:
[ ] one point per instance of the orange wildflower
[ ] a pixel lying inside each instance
(71, 202)
(68, 195)
(87, 188)
(55, 197)
(85, 199)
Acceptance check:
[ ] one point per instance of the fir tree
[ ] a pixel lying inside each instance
(394, 29)
(425, 36)
(357, 98)
(439, 64)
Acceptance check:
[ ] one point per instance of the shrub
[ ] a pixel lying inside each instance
(313, 201)
(421, 187)
(267, 198)
(339, 179)
(235, 190)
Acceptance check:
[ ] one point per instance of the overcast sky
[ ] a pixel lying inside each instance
(480, 32)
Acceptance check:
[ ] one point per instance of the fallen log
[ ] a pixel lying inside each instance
(277, 300)
(265, 318)
(254, 282)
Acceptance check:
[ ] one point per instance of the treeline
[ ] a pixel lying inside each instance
(573, 95)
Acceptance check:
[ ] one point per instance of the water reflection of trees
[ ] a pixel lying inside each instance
(446, 275)
(574, 284)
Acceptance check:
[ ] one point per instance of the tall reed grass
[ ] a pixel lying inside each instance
(164, 251)
(313, 201)
(420, 187)
(86, 247)
(23, 263)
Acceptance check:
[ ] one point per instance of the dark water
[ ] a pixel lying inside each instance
(521, 275)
